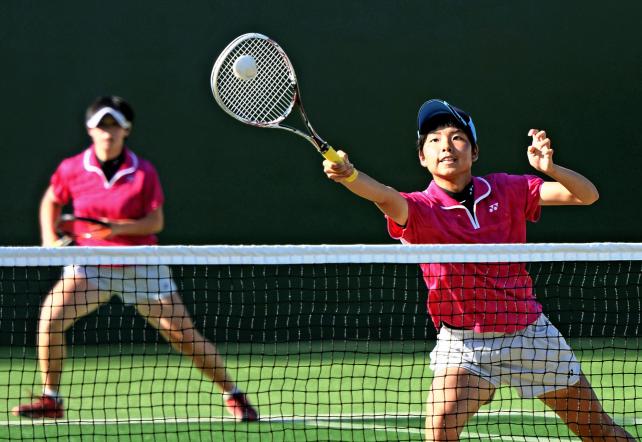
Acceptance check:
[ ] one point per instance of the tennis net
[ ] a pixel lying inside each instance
(327, 342)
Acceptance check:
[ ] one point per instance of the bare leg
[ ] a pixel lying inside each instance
(580, 409)
(174, 323)
(455, 396)
(69, 300)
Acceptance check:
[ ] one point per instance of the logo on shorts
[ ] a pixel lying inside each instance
(493, 207)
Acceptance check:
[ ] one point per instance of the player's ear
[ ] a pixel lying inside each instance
(475, 152)
(420, 149)
(422, 157)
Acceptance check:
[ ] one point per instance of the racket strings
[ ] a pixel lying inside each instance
(258, 105)
(271, 96)
(266, 99)
(277, 102)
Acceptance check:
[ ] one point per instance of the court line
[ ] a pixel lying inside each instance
(330, 420)
(220, 419)
(274, 418)
(211, 419)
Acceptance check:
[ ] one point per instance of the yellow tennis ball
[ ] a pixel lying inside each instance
(245, 68)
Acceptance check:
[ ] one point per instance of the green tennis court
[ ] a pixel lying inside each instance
(313, 391)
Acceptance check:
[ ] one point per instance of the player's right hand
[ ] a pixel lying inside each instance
(338, 171)
(50, 240)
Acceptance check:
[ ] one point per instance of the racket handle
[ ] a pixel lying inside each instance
(333, 156)
(63, 241)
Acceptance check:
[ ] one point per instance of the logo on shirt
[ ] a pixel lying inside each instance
(493, 207)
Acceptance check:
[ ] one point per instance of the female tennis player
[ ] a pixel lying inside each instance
(109, 181)
(492, 331)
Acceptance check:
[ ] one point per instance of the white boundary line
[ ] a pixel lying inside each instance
(330, 418)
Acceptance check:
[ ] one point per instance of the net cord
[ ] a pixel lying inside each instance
(318, 254)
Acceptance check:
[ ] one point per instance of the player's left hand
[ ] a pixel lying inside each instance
(540, 153)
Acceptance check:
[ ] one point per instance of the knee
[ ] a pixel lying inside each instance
(187, 341)
(53, 314)
(51, 320)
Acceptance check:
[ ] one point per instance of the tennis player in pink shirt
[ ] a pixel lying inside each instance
(110, 182)
(492, 331)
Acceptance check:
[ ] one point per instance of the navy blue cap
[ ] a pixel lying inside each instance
(432, 108)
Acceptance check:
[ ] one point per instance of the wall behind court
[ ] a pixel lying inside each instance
(365, 67)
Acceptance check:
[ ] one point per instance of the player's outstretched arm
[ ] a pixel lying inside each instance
(569, 187)
(386, 198)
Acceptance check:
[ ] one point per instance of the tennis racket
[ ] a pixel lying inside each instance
(70, 228)
(264, 90)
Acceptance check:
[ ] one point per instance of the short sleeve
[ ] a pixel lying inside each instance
(60, 185)
(533, 209)
(152, 191)
(394, 230)
(403, 233)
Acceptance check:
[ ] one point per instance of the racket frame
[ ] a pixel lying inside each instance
(67, 238)
(312, 136)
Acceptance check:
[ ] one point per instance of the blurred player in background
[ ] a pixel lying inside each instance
(492, 331)
(108, 181)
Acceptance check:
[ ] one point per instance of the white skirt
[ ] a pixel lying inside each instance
(535, 360)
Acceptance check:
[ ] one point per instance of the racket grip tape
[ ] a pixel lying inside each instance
(63, 241)
(333, 156)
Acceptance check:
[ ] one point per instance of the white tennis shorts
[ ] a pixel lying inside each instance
(133, 284)
(534, 361)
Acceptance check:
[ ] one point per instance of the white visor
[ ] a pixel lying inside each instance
(95, 119)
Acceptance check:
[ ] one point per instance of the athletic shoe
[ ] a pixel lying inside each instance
(238, 405)
(45, 406)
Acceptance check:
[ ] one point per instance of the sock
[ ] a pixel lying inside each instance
(232, 392)
(51, 393)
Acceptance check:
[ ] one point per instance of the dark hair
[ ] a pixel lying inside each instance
(114, 102)
(443, 121)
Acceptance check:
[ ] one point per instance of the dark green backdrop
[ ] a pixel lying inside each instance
(573, 68)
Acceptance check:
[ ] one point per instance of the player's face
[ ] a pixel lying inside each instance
(109, 138)
(448, 155)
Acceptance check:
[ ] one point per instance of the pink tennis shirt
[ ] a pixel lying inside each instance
(132, 193)
(484, 297)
